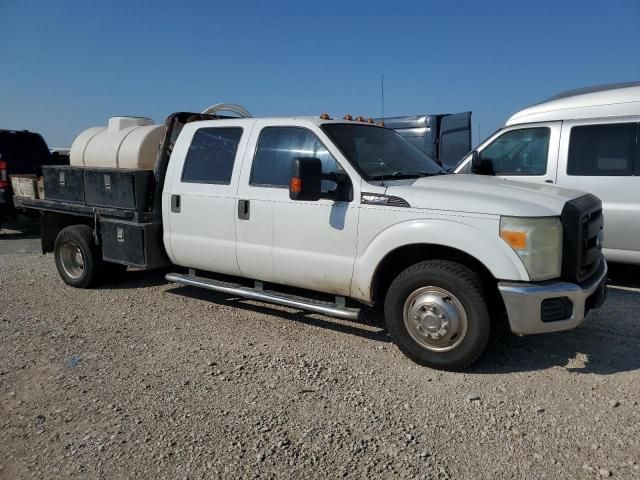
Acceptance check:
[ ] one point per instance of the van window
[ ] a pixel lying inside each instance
(519, 152)
(278, 146)
(602, 150)
(211, 155)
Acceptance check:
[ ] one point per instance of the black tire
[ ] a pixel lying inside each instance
(465, 287)
(80, 238)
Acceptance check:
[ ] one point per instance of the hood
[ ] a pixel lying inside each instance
(482, 194)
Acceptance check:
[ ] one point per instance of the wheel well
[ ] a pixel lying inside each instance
(52, 223)
(403, 257)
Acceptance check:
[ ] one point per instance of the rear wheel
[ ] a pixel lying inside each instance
(436, 313)
(77, 257)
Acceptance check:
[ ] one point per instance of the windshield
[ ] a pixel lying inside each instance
(380, 153)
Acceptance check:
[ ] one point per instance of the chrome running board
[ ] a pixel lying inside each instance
(327, 308)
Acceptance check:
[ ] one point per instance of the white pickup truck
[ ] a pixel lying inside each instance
(348, 213)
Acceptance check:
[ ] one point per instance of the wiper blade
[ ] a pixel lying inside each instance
(402, 174)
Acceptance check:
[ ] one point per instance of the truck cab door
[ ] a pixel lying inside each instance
(308, 244)
(454, 140)
(199, 198)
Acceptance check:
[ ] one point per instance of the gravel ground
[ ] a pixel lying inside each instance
(142, 379)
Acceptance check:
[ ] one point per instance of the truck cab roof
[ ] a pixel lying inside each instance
(315, 120)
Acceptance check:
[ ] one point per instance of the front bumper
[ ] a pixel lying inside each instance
(524, 302)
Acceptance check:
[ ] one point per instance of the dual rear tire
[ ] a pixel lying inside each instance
(78, 258)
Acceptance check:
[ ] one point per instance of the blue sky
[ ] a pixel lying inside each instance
(69, 65)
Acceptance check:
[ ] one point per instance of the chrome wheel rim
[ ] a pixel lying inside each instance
(435, 319)
(72, 260)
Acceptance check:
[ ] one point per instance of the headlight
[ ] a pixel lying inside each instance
(537, 241)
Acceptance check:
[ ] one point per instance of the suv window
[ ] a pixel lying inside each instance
(211, 155)
(519, 152)
(278, 146)
(23, 148)
(602, 150)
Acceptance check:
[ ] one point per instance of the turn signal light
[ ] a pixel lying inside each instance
(325, 116)
(4, 183)
(517, 239)
(296, 185)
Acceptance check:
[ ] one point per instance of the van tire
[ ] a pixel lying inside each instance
(78, 259)
(437, 315)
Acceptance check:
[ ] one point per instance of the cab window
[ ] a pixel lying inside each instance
(211, 155)
(278, 146)
(519, 152)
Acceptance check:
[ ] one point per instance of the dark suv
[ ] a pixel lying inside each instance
(21, 152)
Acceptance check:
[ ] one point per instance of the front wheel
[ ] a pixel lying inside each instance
(436, 313)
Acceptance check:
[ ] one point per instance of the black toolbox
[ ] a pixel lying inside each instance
(128, 189)
(132, 243)
(63, 183)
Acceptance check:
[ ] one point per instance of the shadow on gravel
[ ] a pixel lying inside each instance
(138, 279)
(19, 228)
(607, 343)
(365, 329)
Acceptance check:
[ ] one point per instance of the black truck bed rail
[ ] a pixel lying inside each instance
(69, 208)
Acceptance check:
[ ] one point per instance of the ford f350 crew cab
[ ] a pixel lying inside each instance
(347, 212)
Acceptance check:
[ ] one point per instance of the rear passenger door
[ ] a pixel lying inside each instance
(201, 201)
(601, 157)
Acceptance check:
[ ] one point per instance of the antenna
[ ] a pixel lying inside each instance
(382, 93)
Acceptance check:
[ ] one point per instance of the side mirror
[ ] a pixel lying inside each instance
(306, 179)
(481, 166)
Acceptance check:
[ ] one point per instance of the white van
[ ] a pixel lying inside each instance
(585, 139)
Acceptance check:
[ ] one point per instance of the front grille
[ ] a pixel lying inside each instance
(582, 223)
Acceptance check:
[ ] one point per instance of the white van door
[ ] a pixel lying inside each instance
(601, 157)
(527, 153)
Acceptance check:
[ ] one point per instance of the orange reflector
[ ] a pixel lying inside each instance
(517, 239)
(325, 116)
(347, 117)
(381, 123)
(370, 120)
(360, 119)
(296, 185)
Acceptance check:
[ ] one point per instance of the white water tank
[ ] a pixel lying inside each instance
(127, 142)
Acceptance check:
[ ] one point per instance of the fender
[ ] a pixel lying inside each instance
(494, 254)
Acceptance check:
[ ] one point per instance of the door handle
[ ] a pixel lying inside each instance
(243, 209)
(548, 181)
(175, 203)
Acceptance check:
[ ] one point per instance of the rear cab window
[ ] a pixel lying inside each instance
(211, 155)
